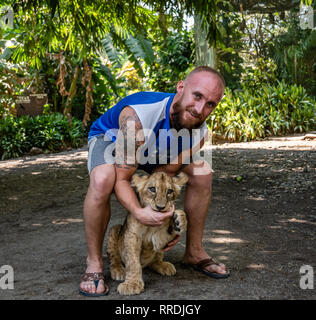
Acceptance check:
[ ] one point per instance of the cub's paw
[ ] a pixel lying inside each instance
(130, 287)
(117, 273)
(164, 268)
(180, 221)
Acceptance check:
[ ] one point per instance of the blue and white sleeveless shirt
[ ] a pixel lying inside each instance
(152, 109)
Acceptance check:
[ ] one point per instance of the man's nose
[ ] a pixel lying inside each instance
(199, 107)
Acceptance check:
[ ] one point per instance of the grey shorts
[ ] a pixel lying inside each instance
(102, 151)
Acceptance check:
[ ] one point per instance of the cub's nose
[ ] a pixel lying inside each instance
(160, 208)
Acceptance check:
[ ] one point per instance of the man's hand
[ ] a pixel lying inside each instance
(172, 243)
(149, 217)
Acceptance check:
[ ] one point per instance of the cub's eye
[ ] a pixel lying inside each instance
(169, 191)
(152, 189)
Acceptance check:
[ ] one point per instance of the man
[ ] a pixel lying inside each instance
(196, 97)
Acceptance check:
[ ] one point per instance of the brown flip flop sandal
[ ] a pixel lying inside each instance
(201, 267)
(95, 277)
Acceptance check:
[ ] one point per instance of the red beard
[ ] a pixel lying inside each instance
(177, 117)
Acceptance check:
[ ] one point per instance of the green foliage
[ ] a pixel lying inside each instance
(293, 50)
(14, 78)
(174, 58)
(52, 39)
(20, 78)
(248, 114)
(77, 26)
(58, 62)
(51, 132)
(130, 46)
(229, 59)
(253, 77)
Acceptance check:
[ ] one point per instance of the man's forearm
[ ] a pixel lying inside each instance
(127, 196)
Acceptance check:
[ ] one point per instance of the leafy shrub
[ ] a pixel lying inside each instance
(174, 58)
(249, 114)
(255, 76)
(49, 132)
(13, 79)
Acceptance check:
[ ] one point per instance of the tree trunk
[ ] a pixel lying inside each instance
(205, 55)
(72, 91)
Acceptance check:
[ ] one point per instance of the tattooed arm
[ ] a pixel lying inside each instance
(129, 139)
(125, 162)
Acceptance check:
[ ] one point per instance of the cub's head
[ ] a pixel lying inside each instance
(158, 190)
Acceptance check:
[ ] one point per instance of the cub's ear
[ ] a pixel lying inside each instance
(180, 179)
(138, 181)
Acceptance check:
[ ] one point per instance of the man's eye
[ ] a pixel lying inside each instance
(169, 191)
(152, 189)
(197, 96)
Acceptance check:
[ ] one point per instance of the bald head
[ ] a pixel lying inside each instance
(210, 70)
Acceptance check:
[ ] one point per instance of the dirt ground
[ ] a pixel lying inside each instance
(261, 224)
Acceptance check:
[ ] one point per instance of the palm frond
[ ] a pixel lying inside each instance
(111, 52)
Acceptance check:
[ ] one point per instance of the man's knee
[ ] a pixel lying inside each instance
(102, 180)
(201, 168)
(200, 174)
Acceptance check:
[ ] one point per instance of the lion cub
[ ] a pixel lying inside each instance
(134, 246)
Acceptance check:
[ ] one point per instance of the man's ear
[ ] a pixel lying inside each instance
(138, 181)
(180, 86)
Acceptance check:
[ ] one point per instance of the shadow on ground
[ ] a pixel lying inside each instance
(261, 224)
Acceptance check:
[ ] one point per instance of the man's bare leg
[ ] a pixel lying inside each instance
(96, 216)
(196, 204)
